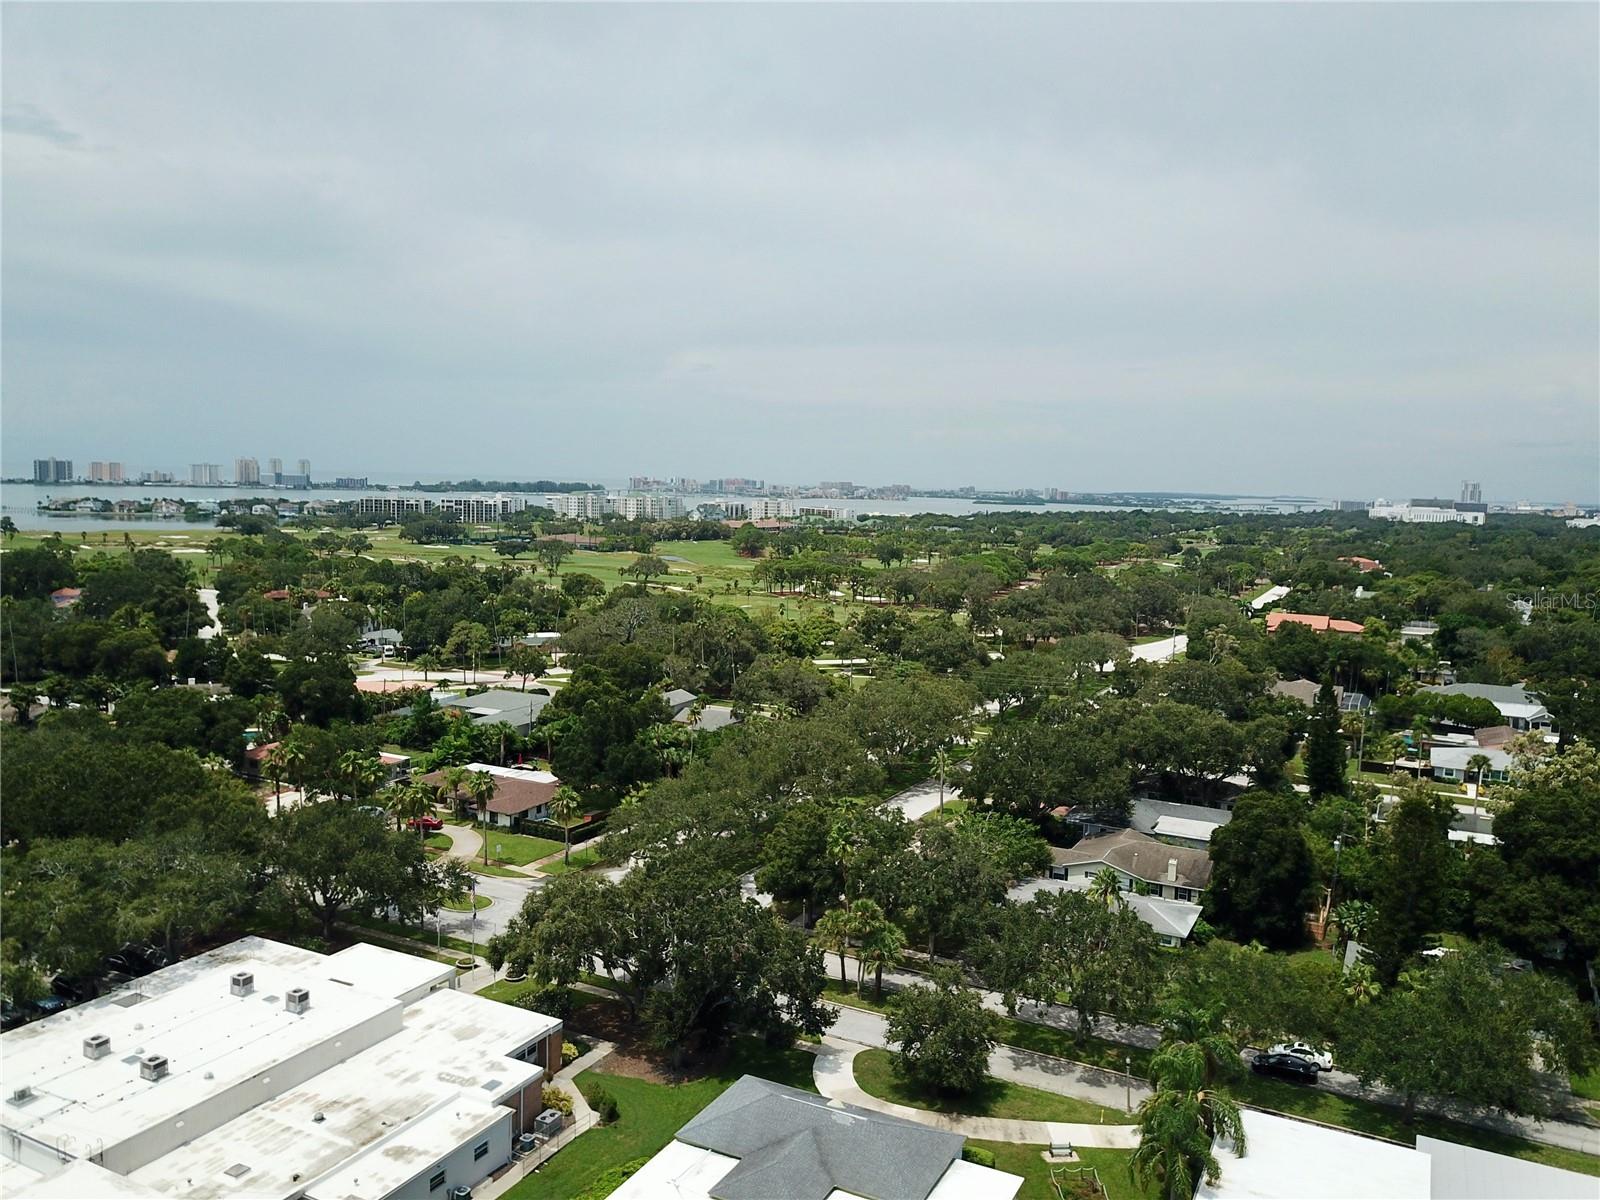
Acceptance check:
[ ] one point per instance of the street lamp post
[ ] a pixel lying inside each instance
(1127, 1081)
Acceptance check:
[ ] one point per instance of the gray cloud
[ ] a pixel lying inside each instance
(1331, 249)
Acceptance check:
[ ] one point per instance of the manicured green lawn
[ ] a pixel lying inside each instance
(437, 841)
(581, 860)
(1587, 1086)
(518, 848)
(507, 992)
(1112, 1166)
(467, 903)
(996, 1098)
(649, 1114)
(479, 868)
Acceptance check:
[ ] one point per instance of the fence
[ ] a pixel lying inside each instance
(521, 1168)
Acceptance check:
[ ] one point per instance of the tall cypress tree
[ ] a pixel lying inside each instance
(1325, 746)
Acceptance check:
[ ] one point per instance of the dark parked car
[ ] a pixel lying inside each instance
(76, 991)
(1285, 1066)
(130, 960)
(45, 1006)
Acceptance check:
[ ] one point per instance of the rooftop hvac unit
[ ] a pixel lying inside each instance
(96, 1045)
(525, 1145)
(153, 1067)
(548, 1123)
(460, 1192)
(297, 1000)
(241, 983)
(21, 1095)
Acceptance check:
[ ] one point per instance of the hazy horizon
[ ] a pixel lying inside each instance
(1337, 251)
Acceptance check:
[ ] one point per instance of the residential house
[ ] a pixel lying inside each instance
(501, 706)
(1450, 764)
(1172, 921)
(1517, 705)
(1270, 597)
(1165, 820)
(711, 717)
(1314, 621)
(1168, 871)
(1413, 631)
(1362, 564)
(66, 597)
(761, 1140)
(520, 793)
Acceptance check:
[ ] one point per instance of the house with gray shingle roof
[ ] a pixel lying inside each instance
(763, 1141)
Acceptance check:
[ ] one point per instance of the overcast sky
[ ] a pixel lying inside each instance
(1328, 250)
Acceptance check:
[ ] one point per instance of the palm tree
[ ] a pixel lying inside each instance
(884, 947)
(565, 806)
(1106, 886)
(295, 760)
(8, 527)
(455, 779)
(833, 933)
(428, 662)
(1361, 984)
(941, 763)
(1355, 918)
(481, 787)
(1177, 1129)
(1478, 763)
(1195, 1044)
(276, 761)
(1187, 1113)
(867, 921)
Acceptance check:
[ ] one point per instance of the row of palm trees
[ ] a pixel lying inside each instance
(879, 943)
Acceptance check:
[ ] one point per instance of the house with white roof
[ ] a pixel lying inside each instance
(1520, 708)
(1172, 921)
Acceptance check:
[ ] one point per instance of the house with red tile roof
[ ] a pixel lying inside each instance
(1315, 621)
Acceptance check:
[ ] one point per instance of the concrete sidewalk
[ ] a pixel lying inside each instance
(833, 1071)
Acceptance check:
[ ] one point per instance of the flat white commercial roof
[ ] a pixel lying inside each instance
(386, 972)
(1467, 1173)
(212, 1040)
(82, 1180)
(1291, 1160)
(1184, 827)
(385, 1167)
(453, 1047)
(513, 772)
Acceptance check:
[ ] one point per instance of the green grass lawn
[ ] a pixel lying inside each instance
(996, 1098)
(467, 903)
(581, 860)
(518, 848)
(508, 992)
(1587, 1087)
(1112, 1166)
(649, 1114)
(437, 841)
(479, 868)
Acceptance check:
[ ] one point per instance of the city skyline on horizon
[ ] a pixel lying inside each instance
(1278, 263)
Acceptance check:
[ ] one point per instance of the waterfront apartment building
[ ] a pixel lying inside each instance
(246, 470)
(105, 472)
(303, 467)
(469, 510)
(1429, 511)
(52, 470)
(347, 481)
(205, 474)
